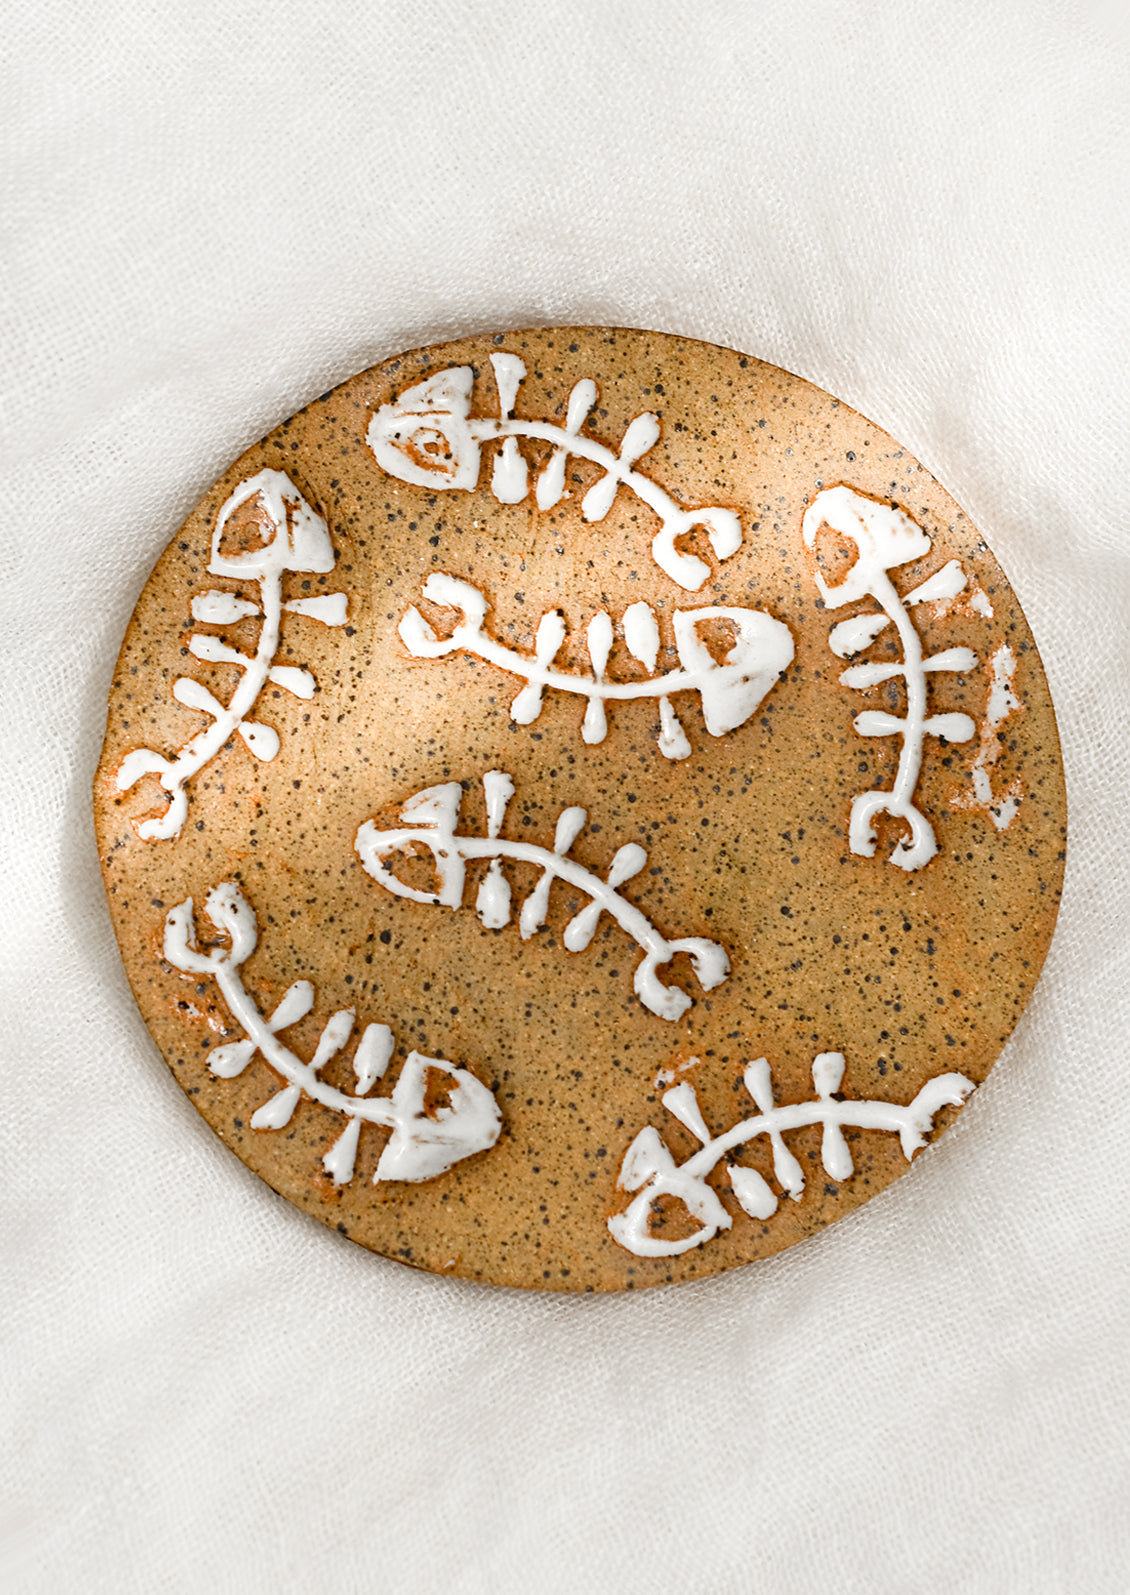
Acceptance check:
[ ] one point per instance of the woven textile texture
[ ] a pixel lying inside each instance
(212, 213)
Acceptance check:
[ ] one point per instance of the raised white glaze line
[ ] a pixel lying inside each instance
(299, 542)
(1002, 702)
(432, 817)
(886, 537)
(729, 692)
(650, 1170)
(1002, 699)
(429, 438)
(420, 1147)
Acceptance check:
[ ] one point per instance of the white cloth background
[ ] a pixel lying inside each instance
(212, 212)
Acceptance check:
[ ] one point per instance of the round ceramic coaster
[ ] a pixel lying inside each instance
(580, 808)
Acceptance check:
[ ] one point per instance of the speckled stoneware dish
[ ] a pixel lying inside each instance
(580, 809)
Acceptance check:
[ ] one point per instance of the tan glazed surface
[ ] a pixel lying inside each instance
(909, 973)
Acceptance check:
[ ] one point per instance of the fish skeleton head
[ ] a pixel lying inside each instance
(884, 535)
(290, 532)
(424, 437)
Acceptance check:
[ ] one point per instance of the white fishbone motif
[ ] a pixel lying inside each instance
(420, 1147)
(650, 1170)
(432, 816)
(299, 541)
(429, 437)
(885, 538)
(730, 692)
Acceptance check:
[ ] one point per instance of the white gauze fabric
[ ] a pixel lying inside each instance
(212, 213)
